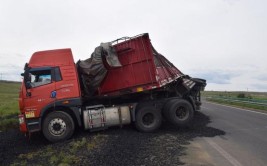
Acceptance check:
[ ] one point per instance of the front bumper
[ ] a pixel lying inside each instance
(29, 124)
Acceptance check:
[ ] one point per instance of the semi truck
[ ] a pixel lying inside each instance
(124, 81)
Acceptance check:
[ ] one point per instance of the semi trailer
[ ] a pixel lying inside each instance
(124, 81)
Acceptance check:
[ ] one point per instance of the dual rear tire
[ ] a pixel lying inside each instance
(179, 112)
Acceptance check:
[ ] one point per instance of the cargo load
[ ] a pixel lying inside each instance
(129, 65)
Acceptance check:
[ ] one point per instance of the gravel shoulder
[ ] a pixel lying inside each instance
(114, 146)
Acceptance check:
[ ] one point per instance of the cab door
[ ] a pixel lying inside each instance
(40, 91)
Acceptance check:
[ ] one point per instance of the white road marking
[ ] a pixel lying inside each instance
(226, 155)
(236, 108)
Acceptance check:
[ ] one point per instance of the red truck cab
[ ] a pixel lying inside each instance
(50, 81)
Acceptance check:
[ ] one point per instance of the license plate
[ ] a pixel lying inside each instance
(29, 114)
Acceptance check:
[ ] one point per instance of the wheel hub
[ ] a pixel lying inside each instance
(57, 127)
(182, 113)
(148, 119)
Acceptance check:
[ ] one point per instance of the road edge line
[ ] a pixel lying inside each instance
(226, 155)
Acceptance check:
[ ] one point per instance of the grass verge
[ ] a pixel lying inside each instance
(232, 96)
(9, 109)
(239, 105)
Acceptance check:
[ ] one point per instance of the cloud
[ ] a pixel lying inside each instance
(11, 72)
(261, 77)
(259, 87)
(216, 77)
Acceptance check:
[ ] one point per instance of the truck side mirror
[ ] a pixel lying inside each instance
(27, 79)
(28, 85)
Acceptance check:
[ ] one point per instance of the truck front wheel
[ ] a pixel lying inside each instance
(58, 126)
(148, 119)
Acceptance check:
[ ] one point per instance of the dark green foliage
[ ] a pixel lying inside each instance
(241, 95)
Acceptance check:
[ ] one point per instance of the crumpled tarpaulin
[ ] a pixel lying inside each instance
(92, 71)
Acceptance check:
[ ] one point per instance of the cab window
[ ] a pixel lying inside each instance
(40, 77)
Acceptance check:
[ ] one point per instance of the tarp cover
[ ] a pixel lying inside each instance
(92, 71)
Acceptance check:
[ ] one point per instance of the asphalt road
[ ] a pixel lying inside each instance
(243, 144)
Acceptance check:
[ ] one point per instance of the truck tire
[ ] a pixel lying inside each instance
(179, 112)
(166, 107)
(148, 119)
(58, 126)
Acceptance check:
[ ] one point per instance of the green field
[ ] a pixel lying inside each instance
(9, 109)
(238, 99)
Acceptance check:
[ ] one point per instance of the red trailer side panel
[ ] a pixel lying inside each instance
(138, 67)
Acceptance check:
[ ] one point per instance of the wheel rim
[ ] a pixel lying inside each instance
(148, 119)
(182, 113)
(57, 127)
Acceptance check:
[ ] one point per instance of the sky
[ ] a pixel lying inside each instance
(222, 41)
